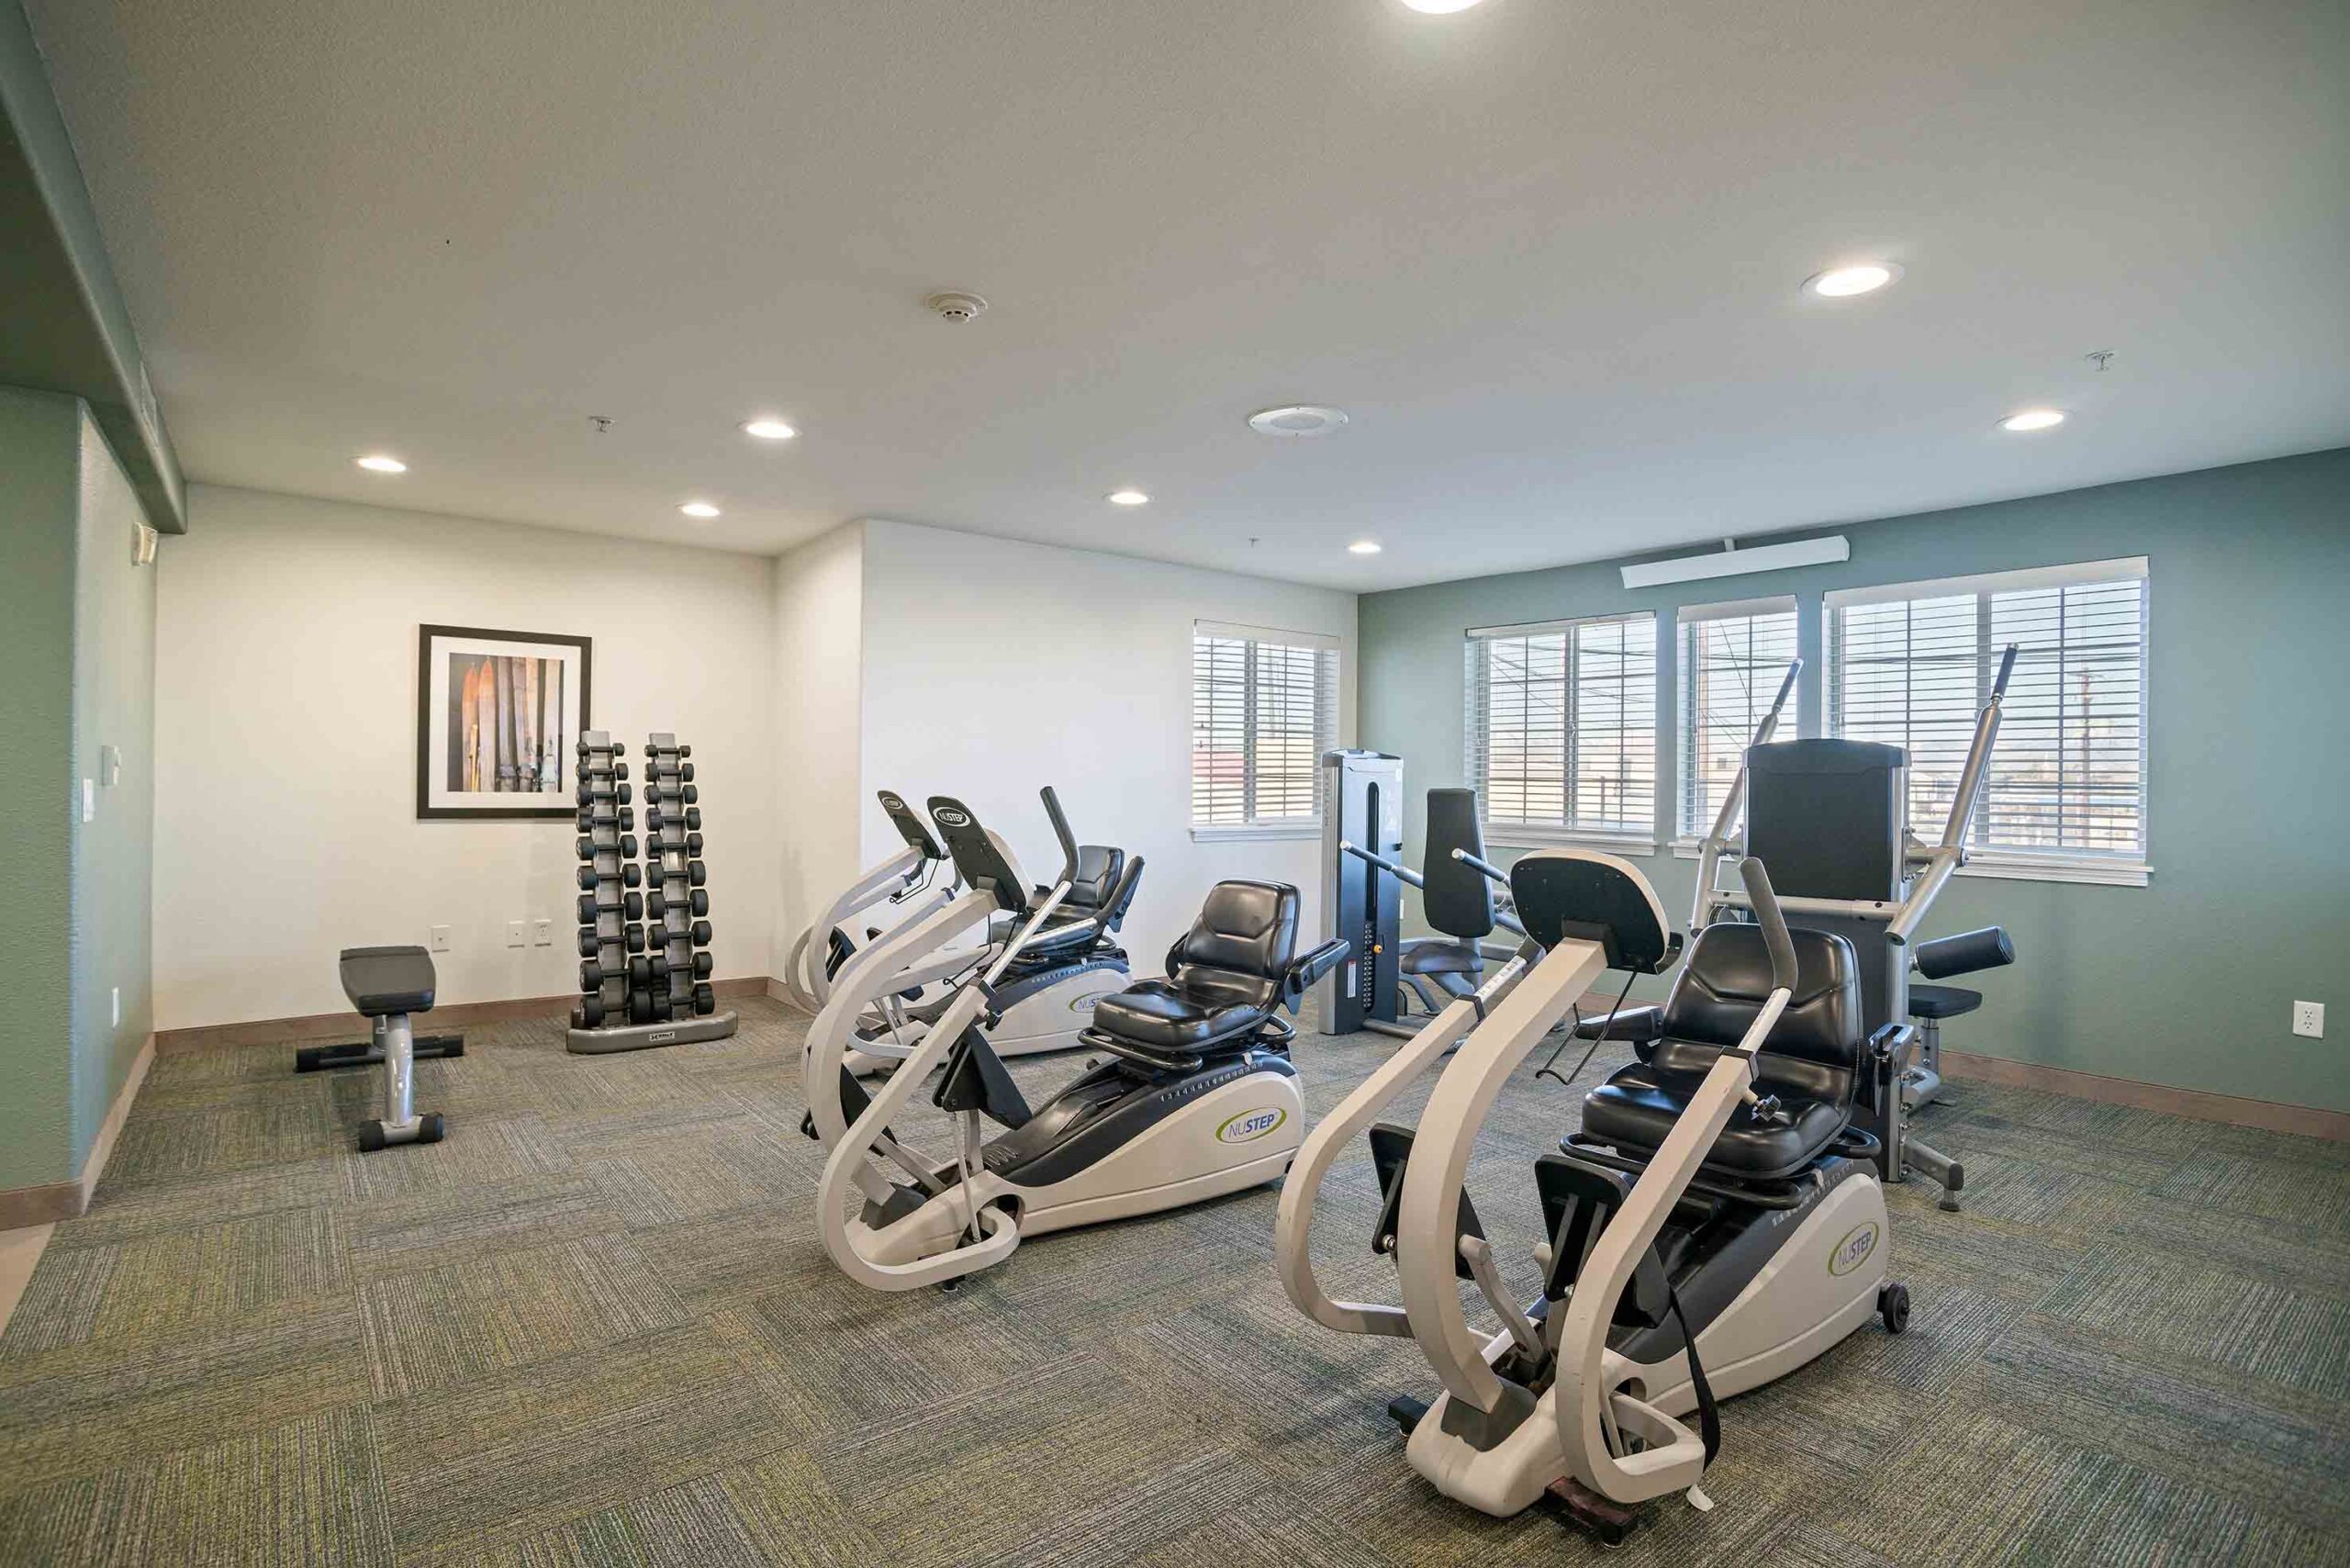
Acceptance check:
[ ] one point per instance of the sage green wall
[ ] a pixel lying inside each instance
(2186, 982)
(77, 639)
(40, 469)
(113, 854)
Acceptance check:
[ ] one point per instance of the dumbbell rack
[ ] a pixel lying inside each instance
(645, 968)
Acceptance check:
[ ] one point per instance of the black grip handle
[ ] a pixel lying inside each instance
(2007, 668)
(1765, 901)
(1786, 684)
(1061, 830)
(1963, 954)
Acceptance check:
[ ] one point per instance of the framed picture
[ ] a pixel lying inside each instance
(499, 716)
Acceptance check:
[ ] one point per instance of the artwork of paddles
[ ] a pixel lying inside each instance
(499, 717)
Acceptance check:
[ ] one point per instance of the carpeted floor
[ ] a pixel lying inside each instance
(594, 1327)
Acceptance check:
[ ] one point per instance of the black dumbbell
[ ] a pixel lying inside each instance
(620, 769)
(700, 903)
(685, 751)
(628, 819)
(700, 932)
(640, 1007)
(633, 906)
(653, 819)
(587, 911)
(627, 847)
(633, 937)
(693, 844)
(703, 965)
(686, 772)
(655, 906)
(630, 875)
(705, 999)
(588, 1015)
(593, 973)
(590, 944)
(586, 818)
(586, 878)
(583, 847)
(695, 873)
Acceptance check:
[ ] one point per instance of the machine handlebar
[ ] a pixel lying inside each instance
(2007, 668)
(1061, 832)
(1765, 905)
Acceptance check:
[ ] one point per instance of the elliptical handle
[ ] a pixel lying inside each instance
(1786, 686)
(2007, 668)
(1061, 832)
(1765, 903)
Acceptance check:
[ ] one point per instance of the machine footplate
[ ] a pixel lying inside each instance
(1604, 1519)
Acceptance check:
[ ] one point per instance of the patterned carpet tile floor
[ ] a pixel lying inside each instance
(596, 1327)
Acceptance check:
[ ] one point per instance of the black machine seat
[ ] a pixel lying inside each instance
(1812, 1064)
(385, 982)
(1434, 956)
(1940, 1002)
(1225, 979)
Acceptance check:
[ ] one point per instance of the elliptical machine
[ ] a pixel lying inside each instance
(828, 943)
(1200, 1100)
(1716, 1226)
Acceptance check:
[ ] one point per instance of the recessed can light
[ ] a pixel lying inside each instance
(1440, 7)
(698, 509)
(2031, 419)
(1296, 420)
(379, 463)
(769, 430)
(1843, 283)
(1364, 547)
(1127, 497)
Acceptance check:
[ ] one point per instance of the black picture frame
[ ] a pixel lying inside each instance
(429, 716)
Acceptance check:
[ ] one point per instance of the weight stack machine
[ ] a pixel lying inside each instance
(644, 966)
(1363, 804)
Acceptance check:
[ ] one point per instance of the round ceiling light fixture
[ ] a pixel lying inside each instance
(1363, 547)
(1843, 283)
(381, 463)
(769, 430)
(2029, 419)
(1440, 7)
(1129, 496)
(1293, 421)
(699, 510)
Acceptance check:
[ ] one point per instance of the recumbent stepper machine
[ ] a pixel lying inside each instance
(645, 964)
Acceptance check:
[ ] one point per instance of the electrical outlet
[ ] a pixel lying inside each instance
(515, 934)
(440, 938)
(2309, 1019)
(542, 933)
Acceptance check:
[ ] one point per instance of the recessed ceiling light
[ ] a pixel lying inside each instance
(698, 509)
(1364, 547)
(1296, 420)
(1128, 498)
(769, 430)
(377, 463)
(1440, 7)
(2033, 419)
(1842, 283)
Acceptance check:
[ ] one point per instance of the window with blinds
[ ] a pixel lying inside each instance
(1733, 659)
(1264, 709)
(1562, 727)
(1910, 665)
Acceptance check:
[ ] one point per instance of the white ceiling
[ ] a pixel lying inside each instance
(1546, 254)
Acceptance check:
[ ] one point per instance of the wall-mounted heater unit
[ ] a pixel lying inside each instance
(1730, 562)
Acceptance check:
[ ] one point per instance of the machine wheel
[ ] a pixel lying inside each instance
(1893, 1305)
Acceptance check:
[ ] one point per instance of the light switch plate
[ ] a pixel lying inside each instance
(440, 938)
(109, 766)
(516, 935)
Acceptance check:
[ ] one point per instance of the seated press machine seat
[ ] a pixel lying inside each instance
(382, 981)
(1812, 1064)
(1940, 1002)
(1223, 979)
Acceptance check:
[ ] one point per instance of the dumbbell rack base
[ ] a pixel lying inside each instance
(639, 1037)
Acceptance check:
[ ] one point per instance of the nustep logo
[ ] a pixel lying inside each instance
(1854, 1249)
(1251, 1126)
(950, 817)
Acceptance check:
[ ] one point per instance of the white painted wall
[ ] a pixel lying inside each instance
(993, 668)
(819, 642)
(285, 744)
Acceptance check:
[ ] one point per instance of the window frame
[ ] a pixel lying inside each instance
(1476, 737)
(1686, 618)
(2099, 868)
(1329, 675)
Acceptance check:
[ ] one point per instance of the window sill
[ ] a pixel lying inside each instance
(2011, 868)
(1541, 835)
(1256, 832)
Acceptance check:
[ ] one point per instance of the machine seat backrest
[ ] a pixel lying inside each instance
(1099, 868)
(1828, 817)
(1816, 1048)
(1240, 946)
(1457, 901)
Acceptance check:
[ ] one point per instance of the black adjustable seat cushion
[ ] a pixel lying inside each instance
(385, 982)
(1811, 1063)
(1098, 871)
(1940, 1002)
(1223, 979)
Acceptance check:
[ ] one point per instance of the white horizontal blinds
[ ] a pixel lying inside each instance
(2068, 776)
(1264, 709)
(1733, 659)
(1905, 673)
(1562, 723)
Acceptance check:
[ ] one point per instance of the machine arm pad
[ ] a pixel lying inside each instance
(1303, 972)
(1963, 954)
(1642, 1026)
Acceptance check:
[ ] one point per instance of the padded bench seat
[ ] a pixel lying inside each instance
(385, 982)
(1940, 1002)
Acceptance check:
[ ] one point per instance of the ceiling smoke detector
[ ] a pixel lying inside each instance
(954, 305)
(1296, 420)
